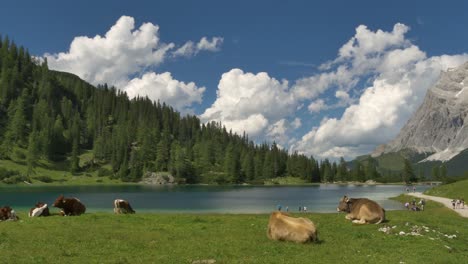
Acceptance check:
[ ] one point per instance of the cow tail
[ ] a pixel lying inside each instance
(382, 218)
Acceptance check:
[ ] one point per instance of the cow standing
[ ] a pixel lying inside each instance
(122, 207)
(8, 214)
(41, 209)
(281, 226)
(361, 210)
(69, 206)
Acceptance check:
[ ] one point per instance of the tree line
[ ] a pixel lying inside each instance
(56, 116)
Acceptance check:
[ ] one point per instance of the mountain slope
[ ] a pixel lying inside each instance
(440, 126)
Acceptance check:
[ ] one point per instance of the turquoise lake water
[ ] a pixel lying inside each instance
(205, 199)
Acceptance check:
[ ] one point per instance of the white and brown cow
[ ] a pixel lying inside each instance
(40, 209)
(69, 206)
(8, 214)
(286, 228)
(361, 210)
(122, 207)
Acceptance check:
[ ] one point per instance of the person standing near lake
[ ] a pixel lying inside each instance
(414, 189)
(422, 203)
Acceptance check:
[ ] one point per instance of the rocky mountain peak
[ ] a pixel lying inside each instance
(440, 126)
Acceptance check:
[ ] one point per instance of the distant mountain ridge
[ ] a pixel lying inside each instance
(439, 128)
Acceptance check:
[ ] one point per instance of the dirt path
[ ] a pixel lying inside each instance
(445, 201)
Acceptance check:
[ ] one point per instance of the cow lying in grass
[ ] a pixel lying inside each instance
(8, 214)
(284, 227)
(361, 210)
(41, 209)
(122, 207)
(69, 206)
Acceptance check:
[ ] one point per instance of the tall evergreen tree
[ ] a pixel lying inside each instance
(33, 152)
(436, 173)
(408, 174)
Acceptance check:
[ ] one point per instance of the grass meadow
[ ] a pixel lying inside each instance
(229, 238)
(454, 190)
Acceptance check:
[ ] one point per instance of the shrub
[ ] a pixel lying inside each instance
(19, 154)
(44, 178)
(102, 172)
(16, 179)
(4, 173)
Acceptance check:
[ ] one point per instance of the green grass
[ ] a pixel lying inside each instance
(58, 173)
(453, 190)
(184, 238)
(286, 181)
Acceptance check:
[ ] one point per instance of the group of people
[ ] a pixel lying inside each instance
(408, 189)
(413, 206)
(301, 208)
(458, 203)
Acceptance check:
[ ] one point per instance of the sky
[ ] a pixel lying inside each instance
(324, 78)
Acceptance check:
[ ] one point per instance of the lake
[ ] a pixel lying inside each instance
(204, 199)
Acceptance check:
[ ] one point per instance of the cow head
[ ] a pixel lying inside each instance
(39, 204)
(343, 206)
(59, 202)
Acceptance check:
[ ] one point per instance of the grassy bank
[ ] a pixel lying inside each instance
(453, 190)
(181, 238)
(47, 173)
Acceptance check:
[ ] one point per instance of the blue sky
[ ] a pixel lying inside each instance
(258, 68)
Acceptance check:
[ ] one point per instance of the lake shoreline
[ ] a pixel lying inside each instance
(351, 183)
(205, 198)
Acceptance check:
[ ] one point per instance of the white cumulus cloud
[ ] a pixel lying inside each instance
(251, 103)
(175, 93)
(317, 106)
(125, 52)
(398, 74)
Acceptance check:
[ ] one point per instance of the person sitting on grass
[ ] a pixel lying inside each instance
(407, 205)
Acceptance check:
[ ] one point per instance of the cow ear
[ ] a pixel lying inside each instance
(347, 200)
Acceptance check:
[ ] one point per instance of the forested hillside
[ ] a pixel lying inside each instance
(55, 117)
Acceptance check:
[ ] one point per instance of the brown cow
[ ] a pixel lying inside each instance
(122, 207)
(8, 214)
(69, 206)
(361, 210)
(41, 209)
(284, 227)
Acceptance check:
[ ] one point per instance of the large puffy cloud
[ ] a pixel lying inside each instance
(162, 86)
(253, 103)
(125, 52)
(399, 74)
(111, 58)
(361, 55)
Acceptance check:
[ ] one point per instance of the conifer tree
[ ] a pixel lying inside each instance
(33, 153)
(408, 174)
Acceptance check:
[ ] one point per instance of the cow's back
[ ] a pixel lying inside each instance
(363, 208)
(78, 207)
(284, 227)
